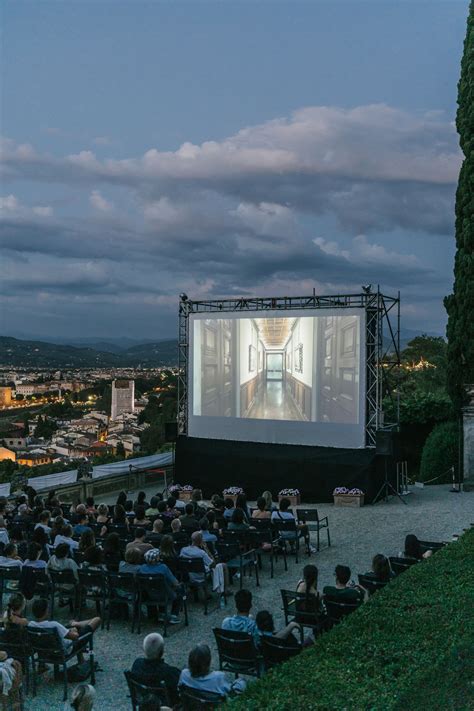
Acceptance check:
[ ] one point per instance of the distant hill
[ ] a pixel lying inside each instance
(39, 354)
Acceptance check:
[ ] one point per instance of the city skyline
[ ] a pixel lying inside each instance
(224, 150)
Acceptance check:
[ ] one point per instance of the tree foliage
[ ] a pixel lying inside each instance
(460, 304)
(440, 453)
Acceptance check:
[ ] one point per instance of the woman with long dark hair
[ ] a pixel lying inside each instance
(413, 548)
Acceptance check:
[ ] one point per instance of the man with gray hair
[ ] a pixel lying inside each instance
(151, 669)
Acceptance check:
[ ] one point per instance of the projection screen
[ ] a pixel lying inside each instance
(294, 377)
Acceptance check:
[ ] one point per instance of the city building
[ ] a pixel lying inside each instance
(123, 397)
(30, 459)
(7, 454)
(14, 438)
(5, 396)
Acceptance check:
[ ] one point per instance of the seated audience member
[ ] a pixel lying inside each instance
(119, 518)
(86, 540)
(172, 509)
(82, 524)
(140, 518)
(283, 514)
(66, 537)
(381, 569)
(23, 515)
(208, 537)
(14, 615)
(57, 526)
(241, 503)
(152, 669)
(229, 508)
(33, 557)
(198, 675)
(189, 522)
(266, 628)
(94, 559)
(211, 517)
(70, 634)
(39, 536)
(238, 521)
(121, 498)
(200, 506)
(90, 506)
(261, 511)
(4, 537)
(83, 697)
(112, 551)
(218, 506)
(43, 522)
(180, 537)
(129, 512)
(269, 505)
(342, 591)
(180, 505)
(309, 583)
(133, 561)
(103, 515)
(60, 560)
(242, 621)
(413, 548)
(156, 534)
(10, 557)
(154, 566)
(198, 549)
(168, 554)
(140, 501)
(139, 541)
(311, 604)
(152, 510)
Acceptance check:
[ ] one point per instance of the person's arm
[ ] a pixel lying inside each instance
(72, 633)
(286, 631)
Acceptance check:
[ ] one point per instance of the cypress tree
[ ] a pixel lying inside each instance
(460, 304)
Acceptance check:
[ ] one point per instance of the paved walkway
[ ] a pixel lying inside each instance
(432, 513)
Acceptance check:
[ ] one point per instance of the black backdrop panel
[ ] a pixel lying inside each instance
(212, 465)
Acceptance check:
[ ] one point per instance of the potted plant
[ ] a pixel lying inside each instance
(292, 494)
(232, 492)
(181, 492)
(348, 497)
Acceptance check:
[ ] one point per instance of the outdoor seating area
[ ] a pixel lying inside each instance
(197, 579)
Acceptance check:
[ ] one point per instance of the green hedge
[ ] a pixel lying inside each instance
(410, 647)
(440, 453)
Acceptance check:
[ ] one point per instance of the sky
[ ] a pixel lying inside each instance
(228, 148)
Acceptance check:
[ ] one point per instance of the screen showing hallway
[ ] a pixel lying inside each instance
(304, 369)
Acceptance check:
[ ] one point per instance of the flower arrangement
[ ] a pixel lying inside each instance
(289, 492)
(350, 492)
(176, 488)
(233, 491)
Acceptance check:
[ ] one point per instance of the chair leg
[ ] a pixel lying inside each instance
(33, 665)
(65, 681)
(92, 663)
(329, 540)
(256, 575)
(205, 597)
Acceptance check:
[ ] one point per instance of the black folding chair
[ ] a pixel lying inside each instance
(151, 697)
(189, 566)
(237, 652)
(198, 700)
(264, 545)
(93, 586)
(431, 545)
(311, 518)
(9, 580)
(275, 651)
(399, 565)
(371, 583)
(153, 591)
(287, 532)
(337, 610)
(303, 609)
(64, 585)
(122, 590)
(14, 641)
(47, 647)
(235, 560)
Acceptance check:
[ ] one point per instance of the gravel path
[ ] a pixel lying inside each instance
(432, 513)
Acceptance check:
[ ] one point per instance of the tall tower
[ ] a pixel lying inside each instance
(123, 397)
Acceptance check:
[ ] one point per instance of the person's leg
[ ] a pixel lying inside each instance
(93, 624)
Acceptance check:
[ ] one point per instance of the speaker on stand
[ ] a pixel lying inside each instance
(387, 445)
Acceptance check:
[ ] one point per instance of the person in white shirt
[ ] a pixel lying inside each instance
(44, 523)
(198, 549)
(33, 557)
(70, 634)
(66, 537)
(10, 557)
(4, 537)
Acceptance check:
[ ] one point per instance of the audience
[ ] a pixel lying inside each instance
(139, 542)
(413, 548)
(261, 511)
(10, 557)
(198, 675)
(60, 560)
(266, 628)
(343, 591)
(381, 569)
(189, 522)
(156, 534)
(13, 617)
(242, 621)
(154, 566)
(133, 561)
(152, 669)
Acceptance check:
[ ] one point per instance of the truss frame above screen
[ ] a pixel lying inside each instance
(382, 357)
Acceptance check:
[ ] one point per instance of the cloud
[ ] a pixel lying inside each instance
(102, 141)
(99, 202)
(10, 206)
